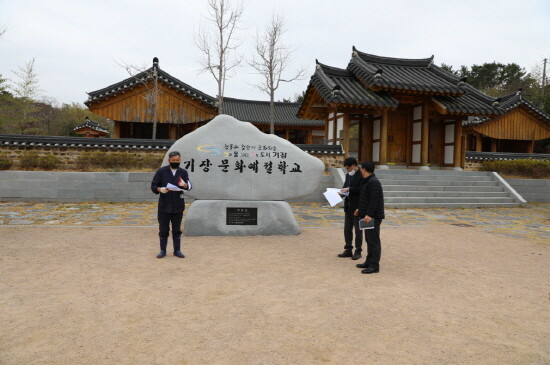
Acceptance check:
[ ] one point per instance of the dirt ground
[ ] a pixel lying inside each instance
(444, 295)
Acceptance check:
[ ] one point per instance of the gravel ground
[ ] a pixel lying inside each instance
(444, 295)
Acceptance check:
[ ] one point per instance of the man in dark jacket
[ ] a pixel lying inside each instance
(371, 207)
(171, 203)
(352, 186)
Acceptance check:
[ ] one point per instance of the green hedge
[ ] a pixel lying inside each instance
(117, 161)
(5, 162)
(30, 160)
(533, 169)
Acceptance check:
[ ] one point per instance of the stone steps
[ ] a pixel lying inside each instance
(443, 188)
(417, 193)
(432, 188)
(409, 188)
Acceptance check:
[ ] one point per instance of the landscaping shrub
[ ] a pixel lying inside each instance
(49, 162)
(29, 160)
(117, 161)
(5, 162)
(531, 169)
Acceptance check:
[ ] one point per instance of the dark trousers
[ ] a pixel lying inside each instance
(374, 248)
(351, 223)
(164, 228)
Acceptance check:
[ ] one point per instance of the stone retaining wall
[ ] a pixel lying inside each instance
(69, 155)
(532, 190)
(61, 186)
(472, 165)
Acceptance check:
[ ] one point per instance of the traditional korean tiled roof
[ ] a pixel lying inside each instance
(336, 85)
(507, 103)
(371, 80)
(145, 77)
(495, 156)
(92, 125)
(472, 101)
(410, 75)
(126, 144)
(258, 112)
(513, 100)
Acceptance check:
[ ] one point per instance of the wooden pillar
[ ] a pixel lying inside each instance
(345, 135)
(458, 141)
(479, 144)
(335, 127)
(425, 144)
(384, 138)
(172, 131)
(368, 138)
(493, 145)
(531, 147)
(287, 134)
(309, 136)
(116, 130)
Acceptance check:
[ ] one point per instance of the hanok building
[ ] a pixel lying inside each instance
(515, 131)
(180, 109)
(91, 129)
(403, 112)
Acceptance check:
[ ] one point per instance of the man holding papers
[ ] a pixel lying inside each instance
(371, 208)
(170, 182)
(351, 189)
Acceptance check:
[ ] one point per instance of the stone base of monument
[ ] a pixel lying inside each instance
(240, 218)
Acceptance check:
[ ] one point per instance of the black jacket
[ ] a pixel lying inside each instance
(354, 184)
(172, 201)
(371, 200)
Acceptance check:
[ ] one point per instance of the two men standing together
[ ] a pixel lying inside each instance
(364, 201)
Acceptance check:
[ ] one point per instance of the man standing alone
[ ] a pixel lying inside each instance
(171, 203)
(371, 207)
(352, 186)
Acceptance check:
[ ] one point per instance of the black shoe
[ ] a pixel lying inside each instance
(346, 253)
(364, 265)
(370, 270)
(356, 255)
(179, 254)
(161, 254)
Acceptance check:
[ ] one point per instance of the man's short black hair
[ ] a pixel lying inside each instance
(173, 153)
(350, 161)
(368, 165)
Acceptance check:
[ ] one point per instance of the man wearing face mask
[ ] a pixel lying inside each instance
(171, 203)
(352, 186)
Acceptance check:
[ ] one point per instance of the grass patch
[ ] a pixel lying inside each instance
(530, 169)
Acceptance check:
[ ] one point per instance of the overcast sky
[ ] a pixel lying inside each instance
(76, 43)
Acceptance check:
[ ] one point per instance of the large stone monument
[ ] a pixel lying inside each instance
(241, 177)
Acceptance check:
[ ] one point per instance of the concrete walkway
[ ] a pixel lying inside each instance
(531, 222)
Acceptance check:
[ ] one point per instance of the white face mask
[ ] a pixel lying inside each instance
(352, 172)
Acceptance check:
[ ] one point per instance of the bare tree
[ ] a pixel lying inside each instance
(149, 79)
(218, 43)
(26, 88)
(271, 60)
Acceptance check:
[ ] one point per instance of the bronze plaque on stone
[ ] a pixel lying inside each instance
(242, 216)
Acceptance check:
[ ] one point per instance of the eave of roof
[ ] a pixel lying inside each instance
(92, 125)
(339, 86)
(145, 77)
(409, 75)
(257, 112)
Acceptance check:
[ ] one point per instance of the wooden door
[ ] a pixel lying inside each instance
(397, 136)
(435, 148)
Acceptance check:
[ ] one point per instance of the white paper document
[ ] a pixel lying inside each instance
(332, 196)
(338, 191)
(363, 225)
(173, 187)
